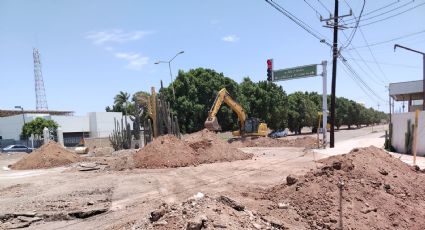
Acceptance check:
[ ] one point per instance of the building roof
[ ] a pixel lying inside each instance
(402, 91)
(8, 113)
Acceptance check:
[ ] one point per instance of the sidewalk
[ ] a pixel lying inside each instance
(376, 139)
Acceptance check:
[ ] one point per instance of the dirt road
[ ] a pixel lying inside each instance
(126, 197)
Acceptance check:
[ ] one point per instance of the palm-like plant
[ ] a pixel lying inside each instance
(122, 99)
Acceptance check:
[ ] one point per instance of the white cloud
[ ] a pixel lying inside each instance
(115, 36)
(135, 60)
(230, 38)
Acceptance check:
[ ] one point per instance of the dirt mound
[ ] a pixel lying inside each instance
(165, 152)
(211, 148)
(379, 192)
(204, 212)
(101, 152)
(47, 156)
(197, 148)
(306, 142)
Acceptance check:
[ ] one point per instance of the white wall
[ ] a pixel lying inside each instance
(99, 124)
(102, 123)
(400, 128)
(11, 127)
(71, 124)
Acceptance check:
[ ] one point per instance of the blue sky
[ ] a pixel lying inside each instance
(91, 50)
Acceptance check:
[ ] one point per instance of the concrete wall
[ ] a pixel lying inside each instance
(99, 124)
(11, 127)
(102, 123)
(400, 128)
(73, 124)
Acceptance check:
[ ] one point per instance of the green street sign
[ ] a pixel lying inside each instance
(294, 73)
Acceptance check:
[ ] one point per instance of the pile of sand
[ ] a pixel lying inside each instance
(211, 148)
(197, 148)
(379, 192)
(47, 156)
(165, 152)
(101, 152)
(304, 142)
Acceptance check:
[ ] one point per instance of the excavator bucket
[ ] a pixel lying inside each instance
(212, 124)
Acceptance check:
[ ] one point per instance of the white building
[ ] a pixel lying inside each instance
(94, 124)
(412, 93)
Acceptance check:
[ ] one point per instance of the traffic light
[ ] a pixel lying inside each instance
(269, 69)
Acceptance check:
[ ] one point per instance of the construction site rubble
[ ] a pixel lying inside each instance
(197, 148)
(378, 191)
(205, 213)
(49, 155)
(303, 142)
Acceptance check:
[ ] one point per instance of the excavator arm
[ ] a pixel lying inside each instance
(223, 96)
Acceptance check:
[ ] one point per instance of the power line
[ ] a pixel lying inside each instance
(355, 28)
(376, 81)
(324, 6)
(359, 79)
(391, 16)
(299, 22)
(381, 8)
(386, 63)
(386, 12)
(373, 56)
(317, 12)
(371, 52)
(390, 40)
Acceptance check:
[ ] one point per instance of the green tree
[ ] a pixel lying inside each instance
(36, 127)
(302, 112)
(195, 92)
(266, 101)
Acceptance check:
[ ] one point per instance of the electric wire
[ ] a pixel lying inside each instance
(373, 55)
(299, 22)
(390, 40)
(353, 32)
(350, 74)
(317, 12)
(380, 8)
(376, 81)
(391, 16)
(381, 14)
(359, 79)
(324, 6)
(386, 63)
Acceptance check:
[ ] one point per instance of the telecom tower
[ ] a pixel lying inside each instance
(40, 93)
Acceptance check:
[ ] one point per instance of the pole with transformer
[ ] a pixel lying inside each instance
(335, 55)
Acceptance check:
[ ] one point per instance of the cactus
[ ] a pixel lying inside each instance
(388, 139)
(408, 140)
(120, 137)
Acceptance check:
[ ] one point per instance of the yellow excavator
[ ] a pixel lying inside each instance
(247, 126)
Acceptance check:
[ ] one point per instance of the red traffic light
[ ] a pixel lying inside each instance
(269, 64)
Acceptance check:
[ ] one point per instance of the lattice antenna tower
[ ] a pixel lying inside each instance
(40, 92)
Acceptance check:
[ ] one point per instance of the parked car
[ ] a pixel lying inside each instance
(278, 133)
(16, 148)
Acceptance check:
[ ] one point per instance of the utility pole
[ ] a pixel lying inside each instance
(335, 55)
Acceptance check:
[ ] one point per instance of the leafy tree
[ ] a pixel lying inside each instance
(266, 101)
(302, 112)
(36, 127)
(195, 92)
